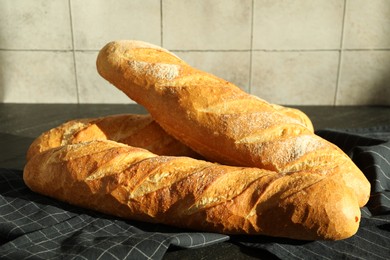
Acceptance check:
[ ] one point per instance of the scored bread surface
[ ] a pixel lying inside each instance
(220, 121)
(133, 183)
(132, 129)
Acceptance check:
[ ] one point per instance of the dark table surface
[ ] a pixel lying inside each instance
(20, 124)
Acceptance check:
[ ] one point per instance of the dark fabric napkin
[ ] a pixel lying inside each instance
(36, 227)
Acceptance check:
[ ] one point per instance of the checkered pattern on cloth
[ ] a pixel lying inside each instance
(34, 226)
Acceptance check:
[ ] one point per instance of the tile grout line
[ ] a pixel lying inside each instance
(161, 24)
(251, 50)
(205, 50)
(341, 52)
(74, 53)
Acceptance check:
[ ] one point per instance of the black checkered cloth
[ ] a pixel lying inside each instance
(33, 226)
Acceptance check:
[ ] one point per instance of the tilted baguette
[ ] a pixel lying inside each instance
(218, 119)
(131, 129)
(133, 183)
(135, 130)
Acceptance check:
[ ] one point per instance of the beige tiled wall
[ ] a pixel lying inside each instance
(302, 52)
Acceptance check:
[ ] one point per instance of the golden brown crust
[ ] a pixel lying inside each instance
(133, 183)
(295, 113)
(135, 130)
(219, 120)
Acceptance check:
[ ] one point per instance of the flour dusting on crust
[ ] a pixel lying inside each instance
(305, 144)
(161, 71)
(70, 131)
(293, 149)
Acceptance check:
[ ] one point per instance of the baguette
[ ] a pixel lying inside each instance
(135, 130)
(131, 129)
(136, 184)
(220, 121)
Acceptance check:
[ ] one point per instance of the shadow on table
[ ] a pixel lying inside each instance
(13, 150)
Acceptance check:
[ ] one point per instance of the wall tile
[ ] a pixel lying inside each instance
(92, 87)
(38, 24)
(300, 24)
(367, 24)
(296, 47)
(364, 78)
(295, 78)
(207, 25)
(97, 22)
(231, 66)
(37, 77)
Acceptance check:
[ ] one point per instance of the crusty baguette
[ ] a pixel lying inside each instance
(133, 183)
(219, 120)
(132, 129)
